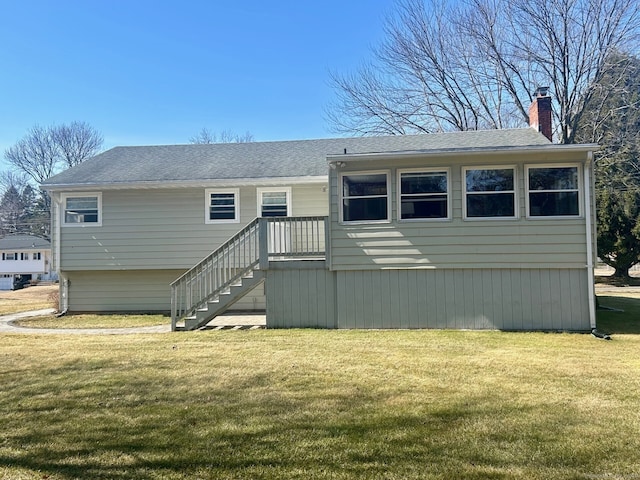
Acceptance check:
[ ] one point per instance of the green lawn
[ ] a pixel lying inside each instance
(285, 404)
(94, 321)
(623, 315)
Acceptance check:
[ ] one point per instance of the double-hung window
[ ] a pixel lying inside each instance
(274, 202)
(489, 192)
(82, 209)
(365, 197)
(424, 194)
(222, 206)
(553, 191)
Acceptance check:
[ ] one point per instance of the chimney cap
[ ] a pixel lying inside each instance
(541, 92)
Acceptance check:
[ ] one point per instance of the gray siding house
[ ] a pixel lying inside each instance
(481, 230)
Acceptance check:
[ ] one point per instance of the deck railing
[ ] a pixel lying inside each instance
(262, 240)
(296, 237)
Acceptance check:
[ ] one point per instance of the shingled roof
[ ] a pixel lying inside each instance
(257, 160)
(23, 242)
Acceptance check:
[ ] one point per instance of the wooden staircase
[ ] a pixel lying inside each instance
(218, 281)
(224, 299)
(239, 265)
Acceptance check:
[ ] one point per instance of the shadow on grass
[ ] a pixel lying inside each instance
(618, 314)
(617, 282)
(434, 443)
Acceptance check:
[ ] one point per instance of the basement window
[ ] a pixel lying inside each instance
(222, 206)
(489, 192)
(82, 209)
(553, 191)
(365, 197)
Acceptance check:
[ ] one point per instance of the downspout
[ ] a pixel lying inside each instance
(589, 233)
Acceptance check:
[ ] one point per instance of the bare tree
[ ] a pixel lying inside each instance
(77, 142)
(10, 179)
(43, 151)
(206, 136)
(36, 155)
(448, 65)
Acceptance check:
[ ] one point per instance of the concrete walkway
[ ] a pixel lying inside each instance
(226, 322)
(7, 326)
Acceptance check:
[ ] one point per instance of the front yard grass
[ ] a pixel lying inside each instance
(36, 297)
(619, 313)
(284, 404)
(94, 321)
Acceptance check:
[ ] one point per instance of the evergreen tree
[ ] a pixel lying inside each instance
(11, 209)
(612, 119)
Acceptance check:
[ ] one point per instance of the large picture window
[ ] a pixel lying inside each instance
(424, 194)
(553, 191)
(82, 209)
(365, 197)
(490, 192)
(222, 206)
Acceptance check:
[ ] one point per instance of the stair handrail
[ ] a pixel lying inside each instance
(246, 251)
(216, 272)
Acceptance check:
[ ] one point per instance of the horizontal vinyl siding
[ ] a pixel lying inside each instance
(300, 297)
(506, 299)
(164, 229)
(459, 245)
(135, 291)
(456, 243)
(310, 200)
(132, 291)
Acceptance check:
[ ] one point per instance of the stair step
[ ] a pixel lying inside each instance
(223, 300)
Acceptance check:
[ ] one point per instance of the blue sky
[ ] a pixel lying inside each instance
(156, 72)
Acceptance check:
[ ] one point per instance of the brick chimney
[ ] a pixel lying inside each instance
(540, 112)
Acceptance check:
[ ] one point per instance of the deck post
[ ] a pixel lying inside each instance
(327, 241)
(263, 243)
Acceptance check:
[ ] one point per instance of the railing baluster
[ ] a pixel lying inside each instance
(284, 236)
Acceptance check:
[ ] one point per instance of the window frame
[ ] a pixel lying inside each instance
(579, 190)
(446, 171)
(63, 207)
(207, 205)
(341, 197)
(261, 190)
(514, 192)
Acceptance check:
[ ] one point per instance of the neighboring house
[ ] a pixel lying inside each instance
(24, 258)
(480, 229)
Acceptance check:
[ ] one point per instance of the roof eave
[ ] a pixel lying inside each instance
(451, 152)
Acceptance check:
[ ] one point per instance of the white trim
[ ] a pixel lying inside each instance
(286, 190)
(56, 217)
(207, 205)
(580, 189)
(589, 234)
(400, 171)
(341, 197)
(516, 205)
(211, 183)
(457, 152)
(63, 202)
